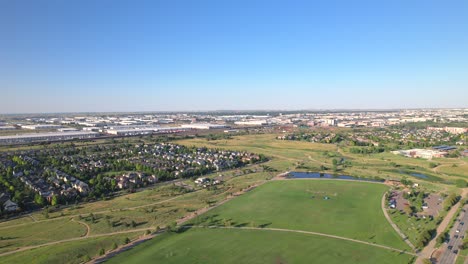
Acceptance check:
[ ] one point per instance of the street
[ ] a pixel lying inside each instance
(448, 257)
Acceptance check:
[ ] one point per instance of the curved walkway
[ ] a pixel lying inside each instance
(312, 233)
(397, 229)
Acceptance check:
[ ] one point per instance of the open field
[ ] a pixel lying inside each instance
(150, 208)
(163, 204)
(254, 246)
(68, 252)
(353, 210)
(286, 155)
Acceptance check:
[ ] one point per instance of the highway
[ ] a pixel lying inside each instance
(448, 257)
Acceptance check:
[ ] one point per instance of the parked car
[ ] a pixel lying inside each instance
(455, 251)
(450, 247)
(458, 230)
(455, 236)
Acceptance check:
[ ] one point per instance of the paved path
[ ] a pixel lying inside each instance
(405, 238)
(448, 256)
(314, 233)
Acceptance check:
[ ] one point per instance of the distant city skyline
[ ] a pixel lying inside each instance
(122, 56)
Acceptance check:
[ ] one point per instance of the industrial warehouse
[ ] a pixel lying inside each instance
(53, 136)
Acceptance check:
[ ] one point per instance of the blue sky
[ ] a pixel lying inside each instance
(67, 56)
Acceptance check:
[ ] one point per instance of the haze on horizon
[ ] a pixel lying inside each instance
(123, 56)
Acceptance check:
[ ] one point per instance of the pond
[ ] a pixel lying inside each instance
(419, 175)
(318, 175)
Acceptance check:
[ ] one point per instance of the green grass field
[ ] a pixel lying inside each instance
(156, 206)
(353, 211)
(254, 246)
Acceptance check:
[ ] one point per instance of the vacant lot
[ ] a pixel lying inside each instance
(254, 246)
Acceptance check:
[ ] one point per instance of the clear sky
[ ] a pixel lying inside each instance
(110, 55)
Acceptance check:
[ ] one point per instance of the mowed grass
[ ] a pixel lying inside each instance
(353, 210)
(254, 246)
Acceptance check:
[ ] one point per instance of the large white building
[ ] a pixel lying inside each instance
(251, 123)
(142, 130)
(34, 127)
(203, 126)
(7, 128)
(53, 136)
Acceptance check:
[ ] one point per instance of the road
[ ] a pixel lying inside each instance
(448, 256)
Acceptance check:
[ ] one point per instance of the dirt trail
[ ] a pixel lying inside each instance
(72, 239)
(88, 228)
(100, 212)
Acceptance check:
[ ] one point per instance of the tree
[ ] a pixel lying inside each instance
(102, 251)
(460, 183)
(407, 209)
(172, 227)
(114, 246)
(39, 200)
(127, 240)
(54, 201)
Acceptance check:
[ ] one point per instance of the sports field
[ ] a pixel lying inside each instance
(261, 227)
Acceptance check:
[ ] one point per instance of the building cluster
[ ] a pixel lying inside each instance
(128, 180)
(145, 124)
(452, 130)
(206, 182)
(421, 153)
(72, 173)
(55, 182)
(183, 161)
(6, 205)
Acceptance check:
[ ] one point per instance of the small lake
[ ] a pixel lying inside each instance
(318, 175)
(419, 175)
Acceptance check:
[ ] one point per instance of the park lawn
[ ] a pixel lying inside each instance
(203, 245)
(39, 233)
(353, 210)
(285, 155)
(460, 170)
(412, 227)
(70, 252)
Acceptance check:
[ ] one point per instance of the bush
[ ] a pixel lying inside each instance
(460, 183)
